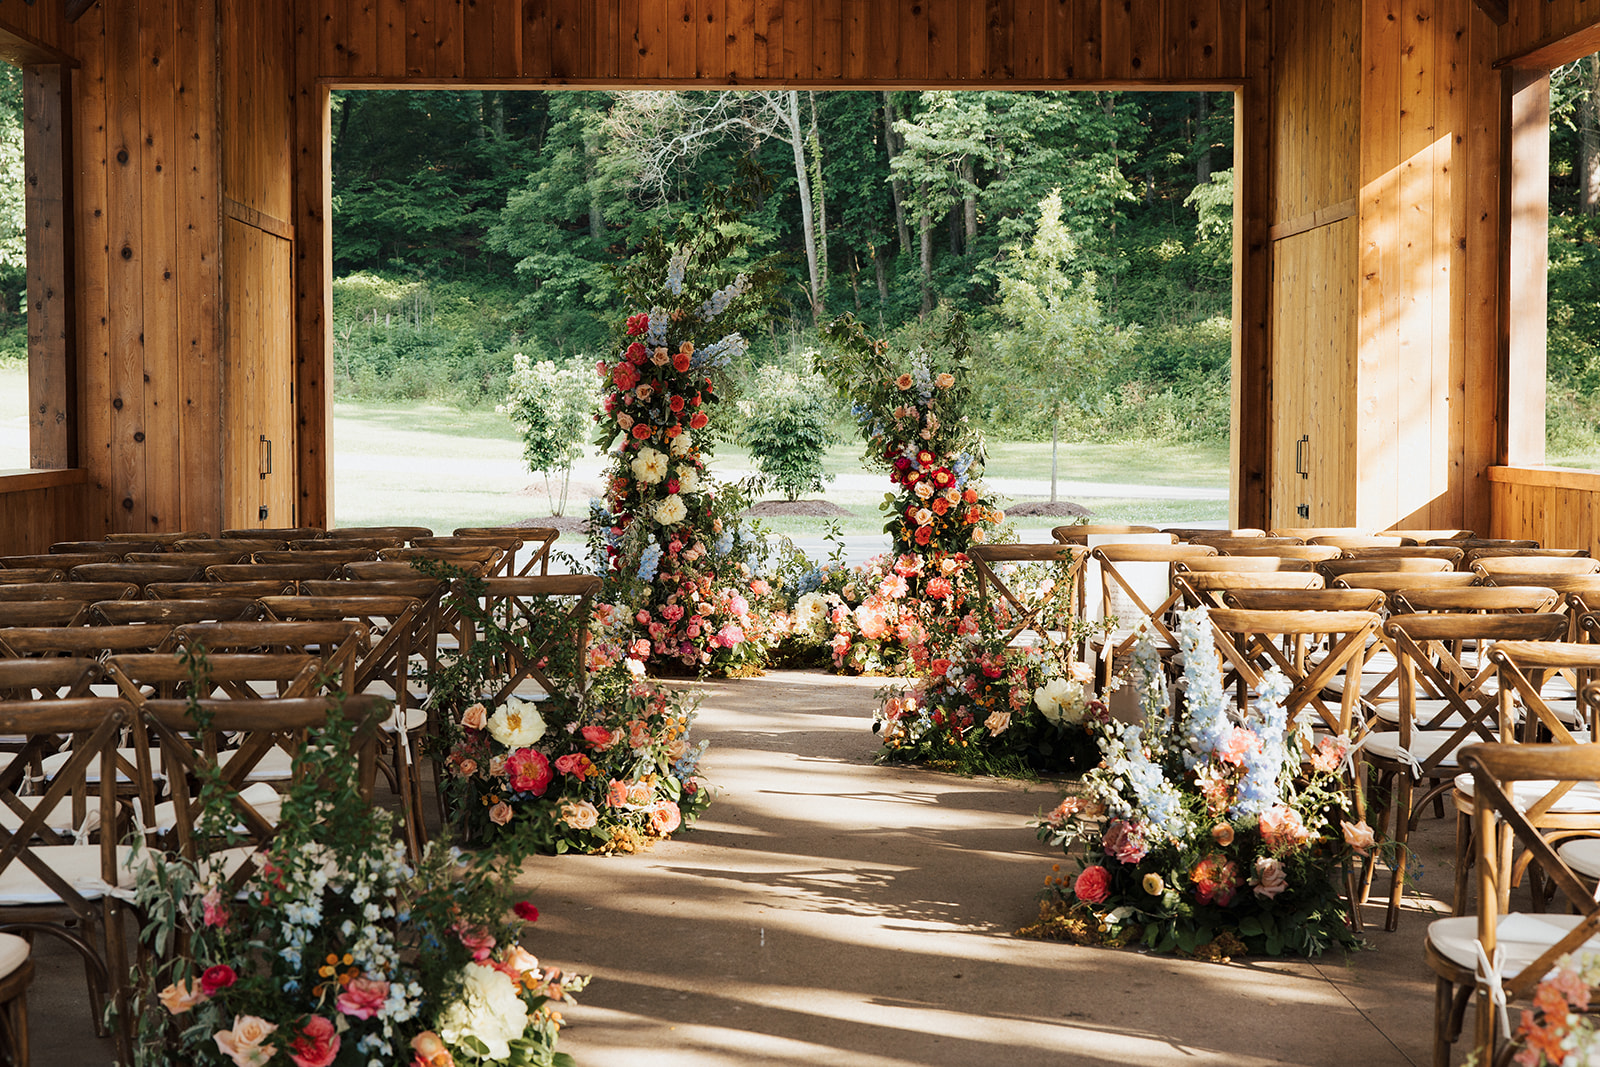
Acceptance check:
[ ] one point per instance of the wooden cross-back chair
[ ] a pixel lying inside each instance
(1191, 533)
(260, 731)
(1496, 955)
(165, 540)
(395, 534)
(105, 550)
(1445, 702)
(43, 613)
(1516, 551)
(519, 601)
(1348, 542)
(1230, 544)
(1240, 564)
(308, 567)
(1427, 537)
(1136, 589)
(1251, 642)
(1470, 543)
(337, 643)
(509, 545)
(479, 558)
(18, 642)
(139, 574)
(177, 612)
(198, 560)
(1311, 598)
(227, 675)
(537, 539)
(1483, 599)
(1306, 533)
(51, 561)
(1333, 569)
(343, 545)
(55, 678)
(1451, 554)
(273, 533)
(1508, 566)
(239, 548)
(1027, 619)
(1079, 535)
(64, 880)
(337, 556)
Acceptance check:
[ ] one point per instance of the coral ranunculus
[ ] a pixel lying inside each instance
(1093, 885)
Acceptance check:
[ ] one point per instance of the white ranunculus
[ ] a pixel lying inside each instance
(649, 466)
(671, 511)
(489, 1010)
(516, 725)
(1060, 700)
(682, 443)
(688, 480)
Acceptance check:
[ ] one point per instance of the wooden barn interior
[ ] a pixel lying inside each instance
(1389, 275)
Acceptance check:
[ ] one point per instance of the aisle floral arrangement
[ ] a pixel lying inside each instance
(1559, 1029)
(606, 770)
(330, 949)
(667, 537)
(1202, 831)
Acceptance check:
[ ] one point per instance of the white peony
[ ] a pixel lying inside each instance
(809, 611)
(688, 480)
(671, 511)
(649, 466)
(1060, 700)
(682, 443)
(489, 1010)
(516, 726)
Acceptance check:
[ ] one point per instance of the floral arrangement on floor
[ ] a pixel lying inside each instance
(911, 414)
(329, 949)
(1203, 831)
(609, 770)
(667, 537)
(1558, 1030)
(864, 618)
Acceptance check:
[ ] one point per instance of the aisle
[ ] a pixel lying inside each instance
(827, 911)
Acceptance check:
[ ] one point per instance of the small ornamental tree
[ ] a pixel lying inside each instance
(551, 403)
(789, 432)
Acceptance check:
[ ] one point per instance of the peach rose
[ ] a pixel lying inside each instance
(179, 997)
(500, 813)
(1358, 836)
(665, 818)
(474, 717)
(244, 1043)
(580, 816)
(1222, 834)
(431, 1051)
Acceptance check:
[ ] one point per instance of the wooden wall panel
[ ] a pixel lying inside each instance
(39, 508)
(1558, 508)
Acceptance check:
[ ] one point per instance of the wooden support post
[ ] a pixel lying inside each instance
(1525, 235)
(52, 393)
(1251, 436)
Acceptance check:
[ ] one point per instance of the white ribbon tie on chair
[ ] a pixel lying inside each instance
(1493, 982)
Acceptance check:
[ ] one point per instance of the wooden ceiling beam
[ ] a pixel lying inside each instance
(1499, 11)
(77, 8)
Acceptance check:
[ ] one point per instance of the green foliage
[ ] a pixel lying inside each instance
(551, 404)
(789, 430)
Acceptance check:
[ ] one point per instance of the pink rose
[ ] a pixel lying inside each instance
(476, 938)
(1270, 879)
(598, 737)
(576, 764)
(1282, 830)
(1329, 753)
(1093, 885)
(474, 717)
(529, 771)
(665, 818)
(363, 997)
(317, 1043)
(500, 813)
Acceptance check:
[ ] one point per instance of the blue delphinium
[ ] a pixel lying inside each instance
(657, 333)
(649, 561)
(675, 267)
(1207, 725)
(1258, 785)
(723, 297)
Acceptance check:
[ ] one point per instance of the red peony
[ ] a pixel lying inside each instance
(626, 376)
(1093, 885)
(528, 771)
(638, 324)
(316, 1044)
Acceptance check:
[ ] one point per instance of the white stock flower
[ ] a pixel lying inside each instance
(649, 466)
(516, 727)
(489, 1010)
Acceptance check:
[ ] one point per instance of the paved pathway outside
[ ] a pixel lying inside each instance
(827, 910)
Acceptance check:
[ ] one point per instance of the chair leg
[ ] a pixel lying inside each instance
(1402, 832)
(1464, 853)
(1446, 1024)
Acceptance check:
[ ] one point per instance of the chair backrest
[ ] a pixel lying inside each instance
(520, 599)
(140, 574)
(397, 534)
(1423, 537)
(204, 590)
(231, 675)
(396, 626)
(1470, 543)
(106, 550)
(1478, 552)
(1017, 614)
(536, 541)
(1338, 568)
(343, 544)
(1276, 547)
(177, 612)
(1453, 555)
(479, 558)
(241, 548)
(1306, 533)
(337, 643)
(1226, 541)
(1500, 599)
(1309, 599)
(52, 561)
(1504, 823)
(31, 575)
(19, 641)
(55, 678)
(84, 591)
(43, 612)
(196, 559)
(1206, 588)
(162, 539)
(1252, 641)
(1526, 667)
(1345, 542)
(1240, 564)
(275, 533)
(308, 567)
(338, 555)
(1392, 581)
(1079, 535)
(1498, 565)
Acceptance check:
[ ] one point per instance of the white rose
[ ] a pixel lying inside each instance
(516, 726)
(489, 1010)
(649, 466)
(671, 511)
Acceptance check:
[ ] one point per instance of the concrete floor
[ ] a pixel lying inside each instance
(827, 910)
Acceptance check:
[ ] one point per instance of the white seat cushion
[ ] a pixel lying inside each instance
(1424, 743)
(1583, 796)
(51, 765)
(13, 954)
(1582, 854)
(60, 817)
(78, 865)
(275, 765)
(1523, 937)
(258, 795)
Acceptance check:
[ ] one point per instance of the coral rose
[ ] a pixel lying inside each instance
(1093, 885)
(1215, 878)
(597, 737)
(528, 771)
(317, 1043)
(665, 818)
(616, 793)
(1282, 830)
(431, 1051)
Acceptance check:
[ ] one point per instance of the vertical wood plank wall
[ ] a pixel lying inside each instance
(198, 134)
(1315, 122)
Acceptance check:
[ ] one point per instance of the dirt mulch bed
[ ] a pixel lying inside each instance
(770, 509)
(1060, 509)
(567, 524)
